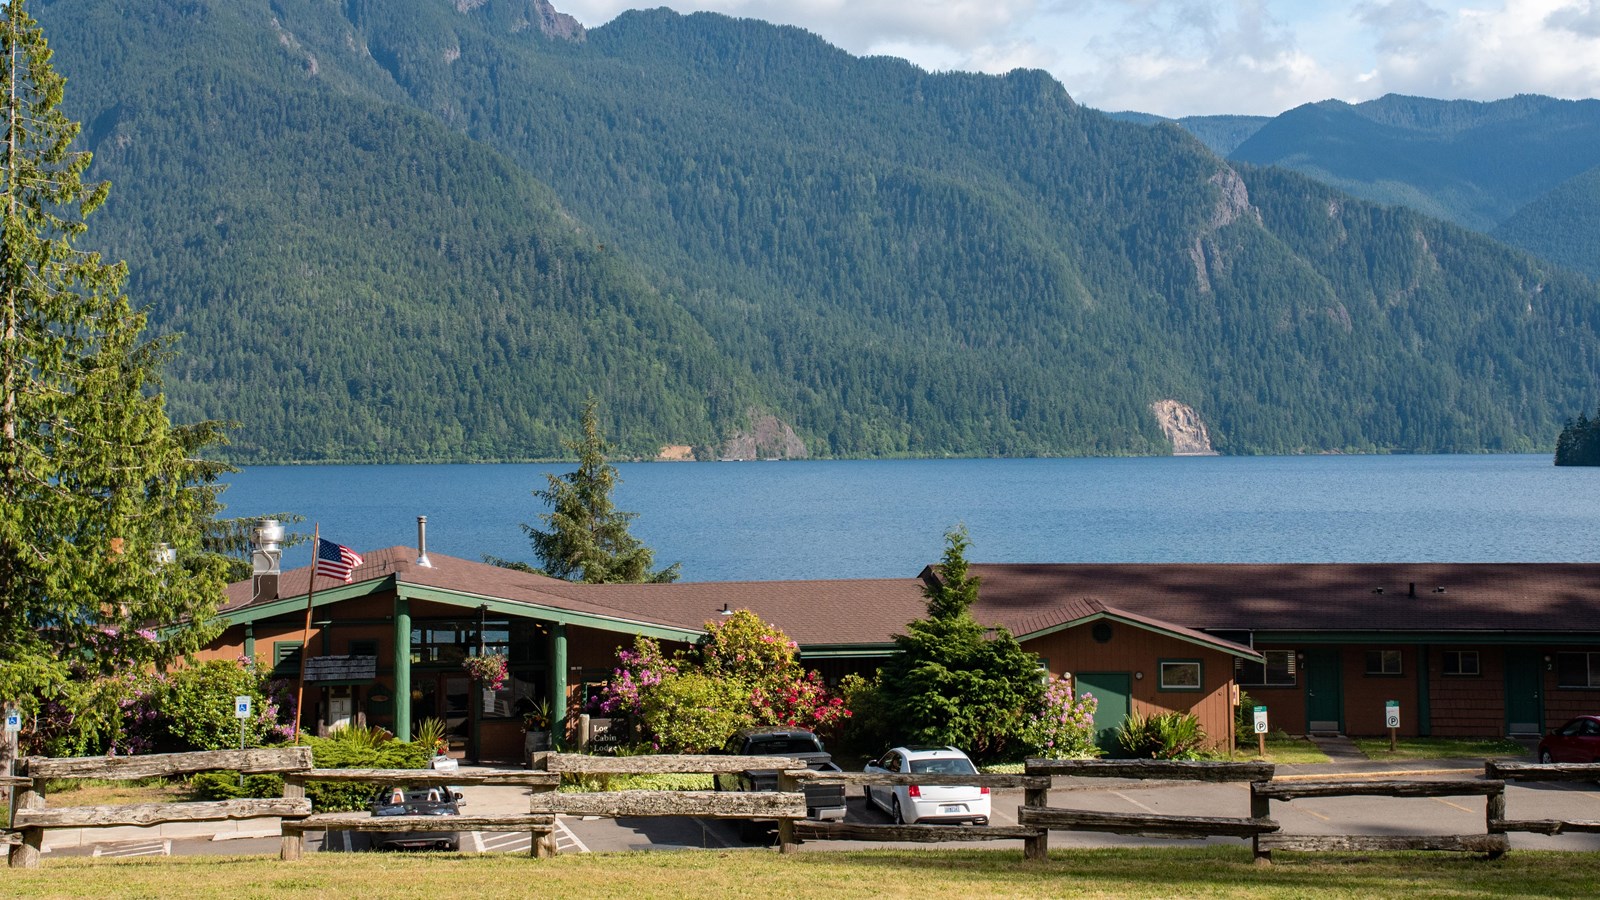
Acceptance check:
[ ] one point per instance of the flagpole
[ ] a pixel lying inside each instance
(305, 633)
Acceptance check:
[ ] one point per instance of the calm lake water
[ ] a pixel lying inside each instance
(863, 519)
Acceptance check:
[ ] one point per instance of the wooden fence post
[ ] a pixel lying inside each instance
(786, 839)
(1494, 813)
(1037, 847)
(26, 854)
(544, 842)
(292, 844)
(1260, 808)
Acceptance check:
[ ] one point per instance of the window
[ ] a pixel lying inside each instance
(449, 641)
(1578, 670)
(1180, 675)
(1383, 662)
(1461, 662)
(1278, 670)
(285, 659)
(363, 648)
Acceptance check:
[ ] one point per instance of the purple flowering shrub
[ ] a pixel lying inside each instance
(1063, 726)
(192, 709)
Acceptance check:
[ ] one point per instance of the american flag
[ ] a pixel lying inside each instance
(336, 560)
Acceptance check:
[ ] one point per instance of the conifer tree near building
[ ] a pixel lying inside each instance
(102, 500)
(588, 538)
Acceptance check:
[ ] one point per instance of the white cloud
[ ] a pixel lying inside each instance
(1185, 57)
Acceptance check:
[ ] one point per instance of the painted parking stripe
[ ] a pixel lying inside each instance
(135, 848)
(566, 841)
(522, 841)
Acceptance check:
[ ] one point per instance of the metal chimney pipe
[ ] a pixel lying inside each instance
(266, 559)
(422, 542)
(1413, 591)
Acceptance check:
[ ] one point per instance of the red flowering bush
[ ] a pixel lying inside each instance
(758, 680)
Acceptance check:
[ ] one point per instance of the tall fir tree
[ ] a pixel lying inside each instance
(954, 681)
(588, 538)
(102, 501)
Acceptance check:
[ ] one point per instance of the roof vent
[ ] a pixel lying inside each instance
(1412, 590)
(1377, 590)
(422, 542)
(266, 559)
(1438, 590)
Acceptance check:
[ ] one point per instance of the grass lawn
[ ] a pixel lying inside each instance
(1208, 872)
(1441, 748)
(104, 792)
(1284, 750)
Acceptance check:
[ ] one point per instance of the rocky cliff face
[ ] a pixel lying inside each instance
(1183, 427)
(768, 438)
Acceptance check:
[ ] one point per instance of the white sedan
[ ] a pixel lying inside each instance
(910, 803)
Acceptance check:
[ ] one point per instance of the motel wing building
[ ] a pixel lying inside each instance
(1464, 649)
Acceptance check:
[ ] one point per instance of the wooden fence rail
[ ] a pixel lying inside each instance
(1498, 823)
(1035, 818)
(1493, 843)
(1037, 812)
(32, 815)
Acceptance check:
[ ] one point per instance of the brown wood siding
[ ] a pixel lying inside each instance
(1136, 650)
(1364, 694)
(1286, 706)
(1562, 704)
(1468, 705)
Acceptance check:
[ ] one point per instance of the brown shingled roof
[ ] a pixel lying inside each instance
(1524, 597)
(849, 611)
(1031, 598)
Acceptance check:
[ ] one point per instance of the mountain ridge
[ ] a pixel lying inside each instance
(708, 221)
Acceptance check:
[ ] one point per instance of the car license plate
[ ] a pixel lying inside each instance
(948, 810)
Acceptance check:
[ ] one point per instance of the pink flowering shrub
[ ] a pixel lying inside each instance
(637, 671)
(743, 672)
(1063, 726)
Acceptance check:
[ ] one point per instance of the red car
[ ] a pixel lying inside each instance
(1578, 741)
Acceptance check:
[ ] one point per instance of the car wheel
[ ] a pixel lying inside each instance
(898, 814)
(1545, 757)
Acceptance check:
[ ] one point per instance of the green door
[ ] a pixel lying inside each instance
(1324, 690)
(1524, 691)
(1112, 690)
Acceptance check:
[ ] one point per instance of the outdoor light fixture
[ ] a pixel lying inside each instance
(1138, 676)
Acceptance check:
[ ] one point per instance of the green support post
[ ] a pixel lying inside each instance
(1424, 694)
(402, 668)
(558, 686)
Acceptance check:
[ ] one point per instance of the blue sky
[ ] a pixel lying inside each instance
(1202, 57)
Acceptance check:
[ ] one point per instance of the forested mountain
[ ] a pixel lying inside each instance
(426, 229)
(1522, 169)
(1220, 133)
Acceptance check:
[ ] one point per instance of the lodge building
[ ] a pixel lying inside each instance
(1464, 649)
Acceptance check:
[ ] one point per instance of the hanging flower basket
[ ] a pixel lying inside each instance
(490, 670)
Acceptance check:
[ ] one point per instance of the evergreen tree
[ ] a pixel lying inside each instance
(954, 681)
(96, 485)
(588, 540)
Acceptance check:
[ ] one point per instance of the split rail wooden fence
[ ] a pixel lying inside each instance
(787, 806)
(1508, 771)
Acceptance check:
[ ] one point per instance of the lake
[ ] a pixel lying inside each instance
(734, 521)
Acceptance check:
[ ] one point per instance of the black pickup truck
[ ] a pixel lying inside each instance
(823, 801)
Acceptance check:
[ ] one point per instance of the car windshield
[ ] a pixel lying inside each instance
(781, 746)
(948, 766)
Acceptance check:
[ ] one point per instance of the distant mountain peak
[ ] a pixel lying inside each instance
(524, 15)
